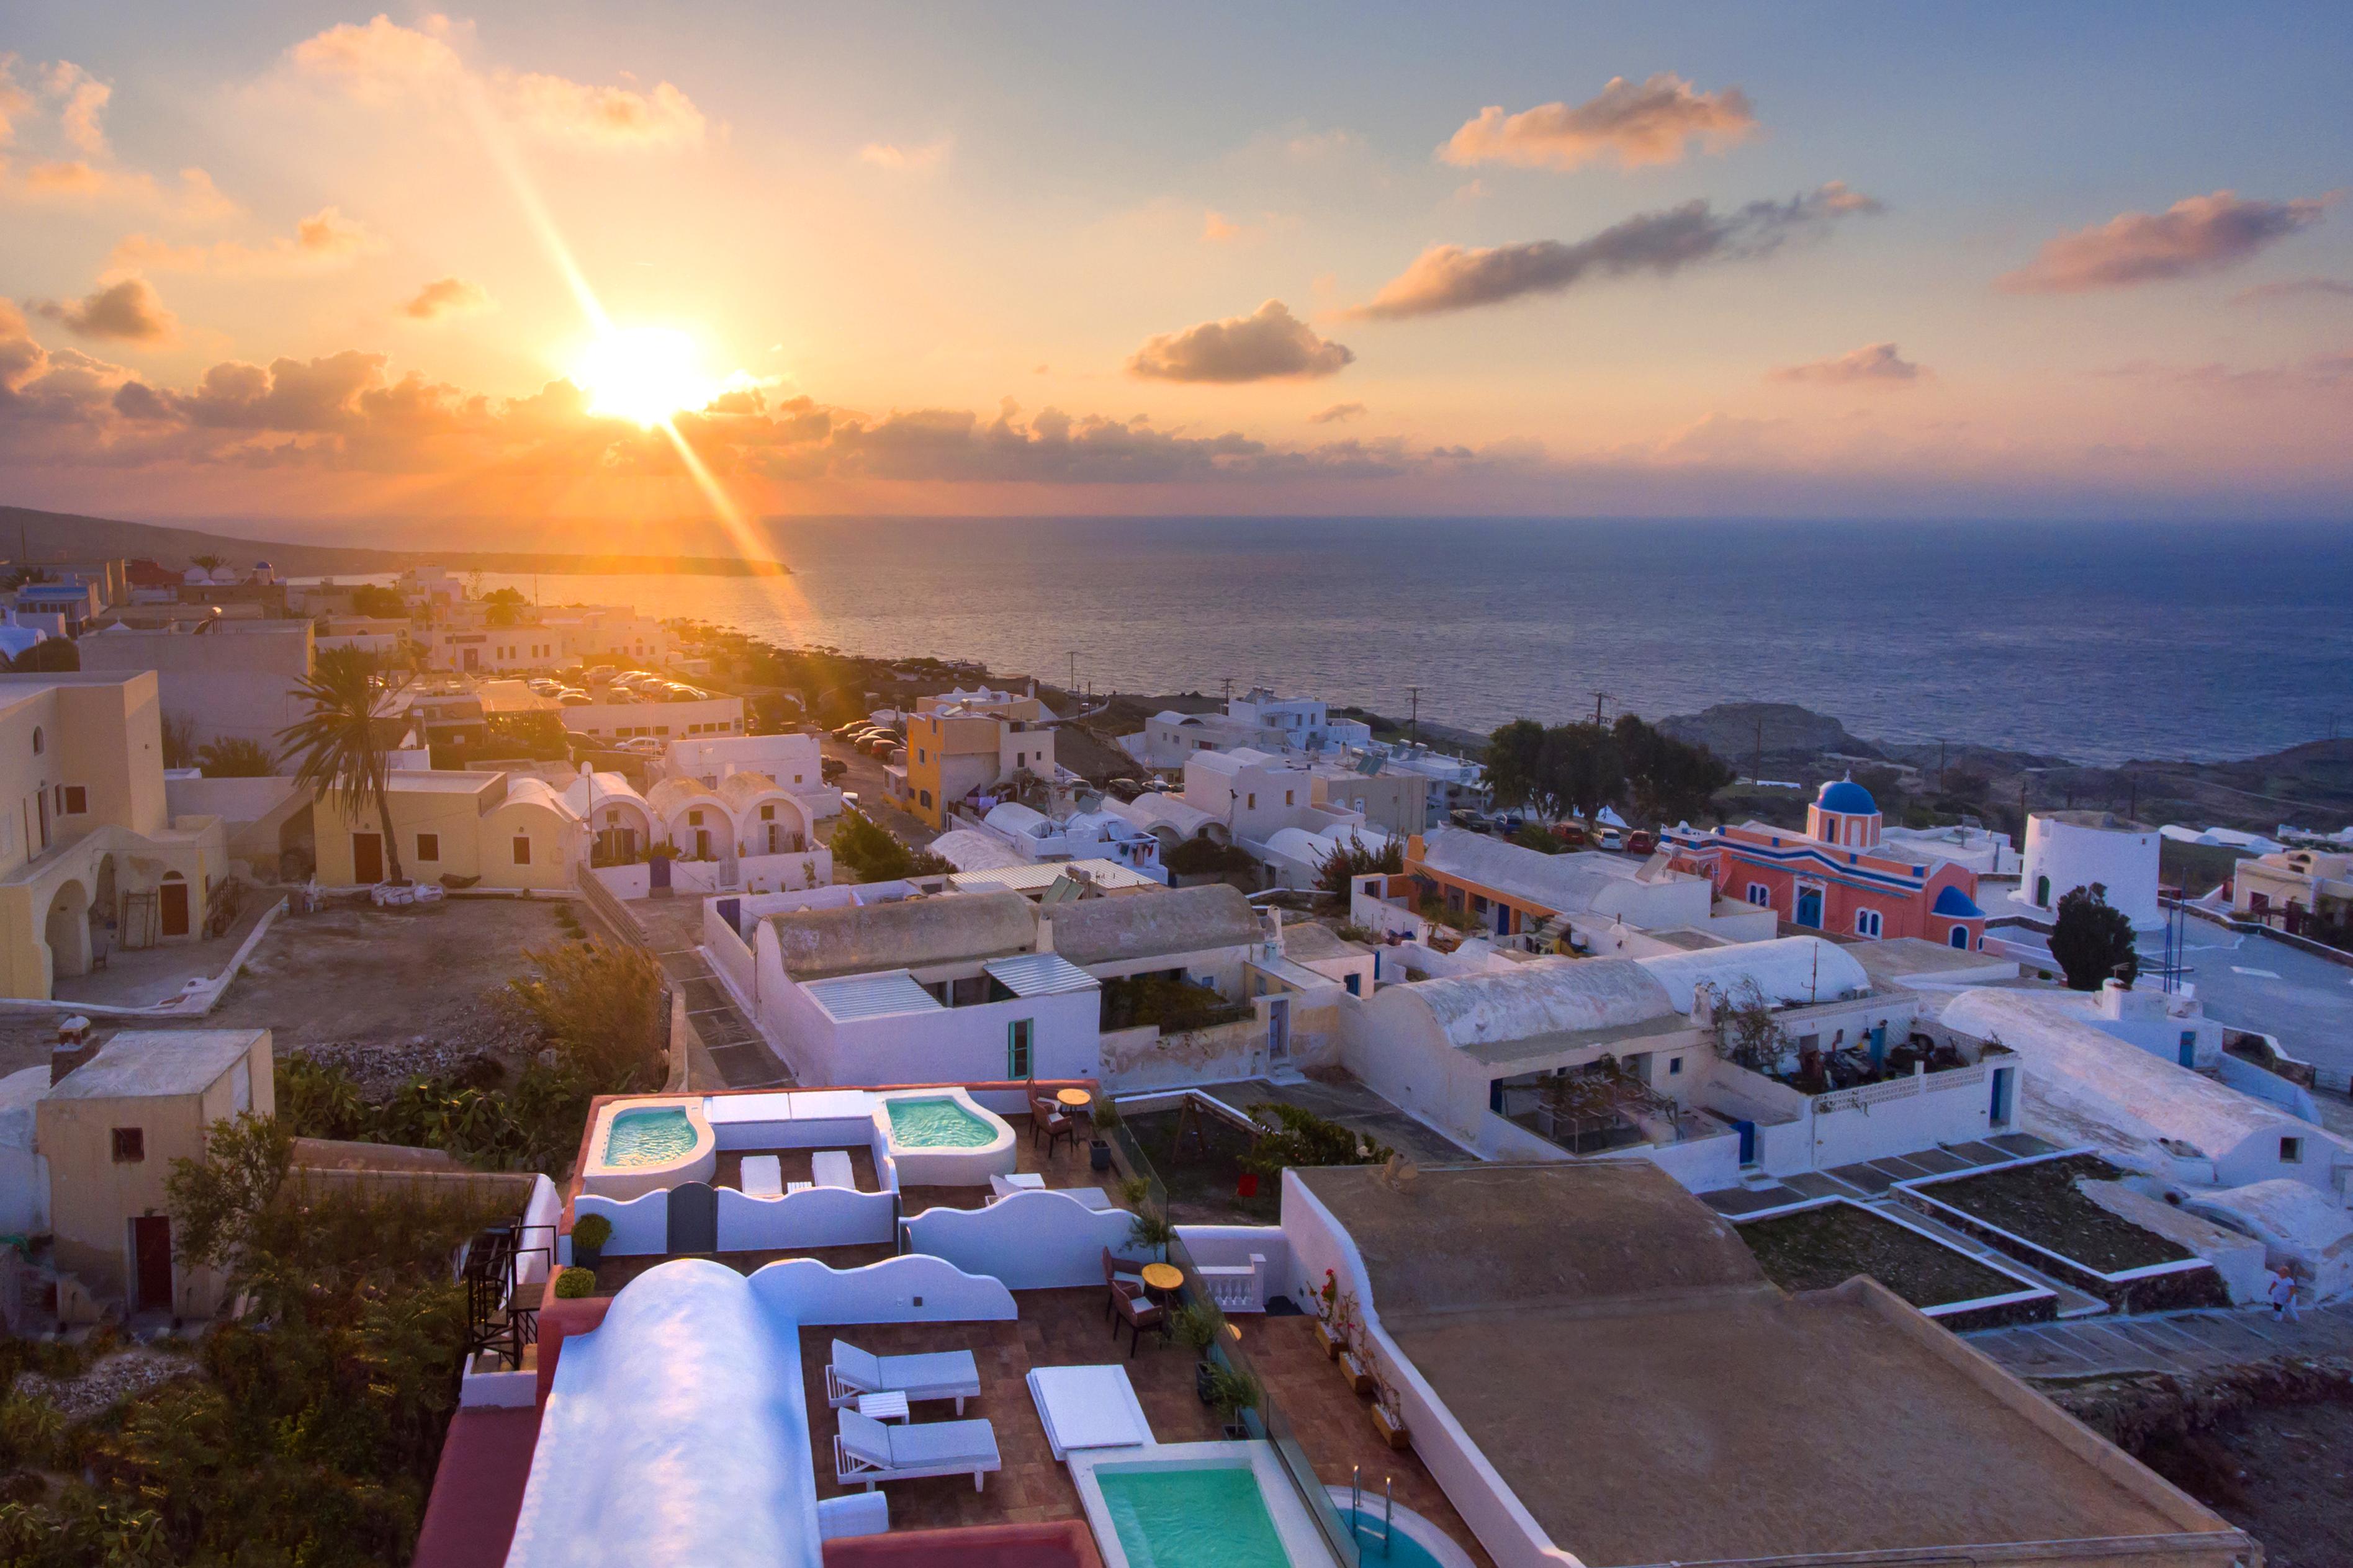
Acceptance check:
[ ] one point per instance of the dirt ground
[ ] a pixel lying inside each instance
(2284, 1473)
(353, 972)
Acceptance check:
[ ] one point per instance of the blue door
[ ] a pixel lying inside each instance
(1809, 908)
(2190, 1047)
(1878, 1047)
(1748, 1130)
(1999, 1111)
(1503, 920)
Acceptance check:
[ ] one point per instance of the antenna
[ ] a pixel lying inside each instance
(1413, 724)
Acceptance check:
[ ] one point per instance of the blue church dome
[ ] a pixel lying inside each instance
(1847, 796)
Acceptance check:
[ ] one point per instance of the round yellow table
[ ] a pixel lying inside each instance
(1074, 1099)
(1162, 1277)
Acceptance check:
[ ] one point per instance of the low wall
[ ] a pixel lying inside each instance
(640, 1225)
(1145, 1058)
(911, 1289)
(1035, 1240)
(820, 1217)
(730, 954)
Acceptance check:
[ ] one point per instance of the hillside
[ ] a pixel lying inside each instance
(30, 536)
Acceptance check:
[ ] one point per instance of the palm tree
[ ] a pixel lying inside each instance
(338, 748)
(209, 563)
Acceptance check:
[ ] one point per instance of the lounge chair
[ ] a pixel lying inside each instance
(831, 1169)
(1139, 1312)
(867, 1450)
(941, 1374)
(762, 1176)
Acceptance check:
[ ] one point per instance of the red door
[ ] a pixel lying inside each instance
(367, 859)
(174, 907)
(151, 1245)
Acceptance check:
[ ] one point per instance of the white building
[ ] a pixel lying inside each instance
(1032, 835)
(1257, 720)
(792, 761)
(1255, 794)
(1982, 850)
(708, 717)
(230, 679)
(2070, 849)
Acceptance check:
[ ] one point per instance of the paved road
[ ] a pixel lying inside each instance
(2183, 1343)
(865, 780)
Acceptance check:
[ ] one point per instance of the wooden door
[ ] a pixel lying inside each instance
(174, 903)
(367, 859)
(693, 1215)
(151, 1247)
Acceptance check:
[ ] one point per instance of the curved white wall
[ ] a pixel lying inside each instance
(2074, 856)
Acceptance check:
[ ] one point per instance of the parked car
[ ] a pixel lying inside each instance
(643, 746)
(1469, 820)
(1612, 839)
(1640, 841)
(831, 768)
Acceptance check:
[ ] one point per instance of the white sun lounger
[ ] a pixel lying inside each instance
(940, 1374)
(1088, 1407)
(763, 1176)
(1005, 1186)
(867, 1450)
(831, 1169)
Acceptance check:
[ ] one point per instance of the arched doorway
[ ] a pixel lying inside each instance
(2041, 892)
(66, 930)
(1809, 908)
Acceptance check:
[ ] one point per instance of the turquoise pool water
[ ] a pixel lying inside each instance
(1404, 1551)
(650, 1137)
(1212, 1518)
(938, 1124)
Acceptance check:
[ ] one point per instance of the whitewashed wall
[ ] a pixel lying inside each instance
(640, 1225)
(1038, 1240)
(913, 1288)
(821, 1216)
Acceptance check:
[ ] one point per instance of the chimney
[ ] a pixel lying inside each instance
(76, 1044)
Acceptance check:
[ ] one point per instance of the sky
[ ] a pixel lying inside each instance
(626, 264)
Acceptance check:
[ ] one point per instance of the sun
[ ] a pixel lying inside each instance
(644, 374)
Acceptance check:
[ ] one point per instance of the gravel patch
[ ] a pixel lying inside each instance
(123, 1375)
(481, 1030)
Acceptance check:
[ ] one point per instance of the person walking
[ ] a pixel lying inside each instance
(2282, 1295)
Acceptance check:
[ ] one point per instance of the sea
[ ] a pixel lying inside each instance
(2099, 643)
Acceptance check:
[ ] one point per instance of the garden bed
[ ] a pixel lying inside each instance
(1816, 1248)
(1202, 1185)
(2041, 1203)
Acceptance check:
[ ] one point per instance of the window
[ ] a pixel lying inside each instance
(73, 799)
(130, 1145)
(1253, 801)
(695, 819)
(2291, 1151)
(40, 741)
(1017, 1048)
(1287, 796)
(1675, 1067)
(1759, 894)
(523, 849)
(925, 797)
(767, 814)
(428, 846)
(1867, 922)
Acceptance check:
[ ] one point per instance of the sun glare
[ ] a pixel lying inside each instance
(644, 374)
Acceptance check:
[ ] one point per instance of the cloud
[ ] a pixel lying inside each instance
(127, 309)
(915, 160)
(13, 100)
(1449, 278)
(382, 60)
(321, 242)
(1877, 364)
(1321, 146)
(2196, 235)
(561, 110)
(447, 296)
(1655, 122)
(1215, 227)
(2326, 373)
(2295, 288)
(1338, 413)
(83, 101)
(1268, 343)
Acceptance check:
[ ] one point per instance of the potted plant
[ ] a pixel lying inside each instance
(1388, 1413)
(1233, 1392)
(1106, 1116)
(590, 1232)
(574, 1284)
(1326, 1304)
(1199, 1324)
(1344, 1332)
(1152, 1230)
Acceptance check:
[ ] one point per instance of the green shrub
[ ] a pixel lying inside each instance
(574, 1284)
(592, 1230)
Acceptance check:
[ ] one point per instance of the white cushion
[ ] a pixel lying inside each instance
(866, 1438)
(856, 1368)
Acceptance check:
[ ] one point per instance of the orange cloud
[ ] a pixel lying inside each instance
(557, 110)
(1655, 122)
(382, 59)
(920, 159)
(2195, 235)
(1338, 413)
(324, 241)
(1877, 364)
(1215, 227)
(127, 309)
(447, 296)
(1268, 344)
(84, 101)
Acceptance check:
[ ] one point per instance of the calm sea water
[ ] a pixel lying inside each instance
(2096, 642)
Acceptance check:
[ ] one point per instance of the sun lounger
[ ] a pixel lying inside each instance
(831, 1169)
(763, 1176)
(1088, 1407)
(865, 1449)
(1005, 1186)
(940, 1374)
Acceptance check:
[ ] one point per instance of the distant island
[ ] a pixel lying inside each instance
(30, 538)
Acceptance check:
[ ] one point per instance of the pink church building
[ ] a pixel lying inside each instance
(1834, 877)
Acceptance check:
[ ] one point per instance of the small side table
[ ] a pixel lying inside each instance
(890, 1406)
(1160, 1279)
(1074, 1099)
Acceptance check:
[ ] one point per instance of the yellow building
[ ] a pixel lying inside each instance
(954, 749)
(507, 831)
(110, 1130)
(85, 837)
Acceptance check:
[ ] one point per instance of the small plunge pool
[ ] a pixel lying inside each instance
(938, 1124)
(1208, 1517)
(654, 1136)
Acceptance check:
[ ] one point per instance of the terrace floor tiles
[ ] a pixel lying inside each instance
(1977, 1154)
(1751, 1200)
(1938, 1162)
(1901, 1168)
(1819, 1185)
(1869, 1180)
(2025, 1145)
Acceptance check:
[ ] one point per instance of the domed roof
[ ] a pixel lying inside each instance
(1847, 796)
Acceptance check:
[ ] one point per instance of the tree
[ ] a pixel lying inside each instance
(1306, 1139)
(209, 563)
(378, 602)
(341, 752)
(872, 853)
(219, 1200)
(1668, 780)
(236, 758)
(1358, 859)
(180, 741)
(601, 1006)
(1745, 1032)
(1581, 768)
(2092, 940)
(504, 607)
(1514, 764)
(50, 655)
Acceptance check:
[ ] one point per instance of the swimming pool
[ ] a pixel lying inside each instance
(938, 1124)
(653, 1137)
(1191, 1518)
(943, 1137)
(1414, 1542)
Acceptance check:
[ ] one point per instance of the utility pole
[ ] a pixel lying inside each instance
(2133, 810)
(1940, 765)
(1598, 698)
(1073, 686)
(1758, 777)
(1228, 682)
(1413, 723)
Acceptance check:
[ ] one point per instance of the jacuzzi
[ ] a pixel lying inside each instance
(647, 1145)
(943, 1137)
